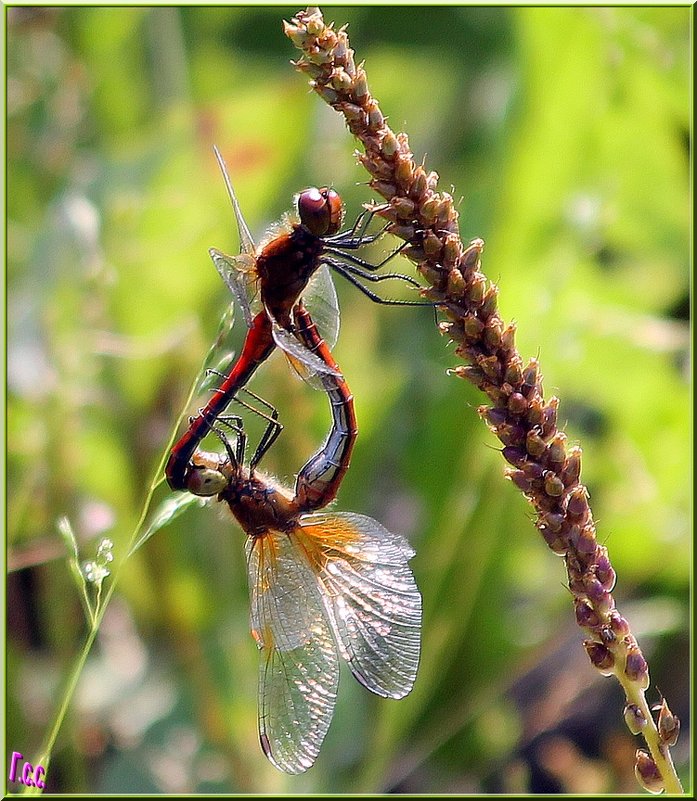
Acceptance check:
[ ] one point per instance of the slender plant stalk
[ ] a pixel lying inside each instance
(95, 609)
(542, 466)
(95, 614)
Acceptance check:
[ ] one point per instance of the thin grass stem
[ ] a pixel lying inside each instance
(96, 610)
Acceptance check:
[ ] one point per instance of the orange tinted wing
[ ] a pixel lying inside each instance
(299, 664)
(370, 595)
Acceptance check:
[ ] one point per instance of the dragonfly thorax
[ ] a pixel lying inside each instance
(258, 504)
(284, 266)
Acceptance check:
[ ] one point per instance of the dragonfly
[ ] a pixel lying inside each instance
(323, 585)
(267, 282)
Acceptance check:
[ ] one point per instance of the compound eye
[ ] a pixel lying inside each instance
(336, 211)
(313, 211)
(205, 481)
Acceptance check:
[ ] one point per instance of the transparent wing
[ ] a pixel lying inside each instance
(240, 276)
(299, 663)
(238, 272)
(320, 300)
(371, 597)
(307, 364)
(246, 242)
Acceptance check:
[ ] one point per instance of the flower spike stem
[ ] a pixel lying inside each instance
(541, 465)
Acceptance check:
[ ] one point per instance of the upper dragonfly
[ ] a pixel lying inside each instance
(322, 585)
(268, 280)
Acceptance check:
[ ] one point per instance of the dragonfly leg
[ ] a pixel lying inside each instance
(231, 421)
(351, 273)
(361, 222)
(273, 428)
(235, 424)
(349, 240)
(366, 265)
(269, 436)
(368, 276)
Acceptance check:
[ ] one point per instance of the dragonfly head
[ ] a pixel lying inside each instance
(321, 210)
(207, 474)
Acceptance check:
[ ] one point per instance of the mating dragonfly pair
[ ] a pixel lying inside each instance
(322, 584)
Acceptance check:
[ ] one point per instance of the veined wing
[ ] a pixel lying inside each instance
(319, 298)
(370, 595)
(324, 310)
(307, 364)
(240, 276)
(299, 663)
(246, 242)
(238, 272)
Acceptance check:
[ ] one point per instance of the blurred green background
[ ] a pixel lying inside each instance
(565, 134)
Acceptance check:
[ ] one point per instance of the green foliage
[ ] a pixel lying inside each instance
(565, 132)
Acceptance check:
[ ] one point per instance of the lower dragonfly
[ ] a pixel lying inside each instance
(322, 584)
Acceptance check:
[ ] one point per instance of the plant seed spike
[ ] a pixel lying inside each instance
(541, 465)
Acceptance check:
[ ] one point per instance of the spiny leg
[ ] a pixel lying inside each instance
(348, 273)
(236, 457)
(271, 419)
(366, 265)
(368, 276)
(272, 431)
(349, 239)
